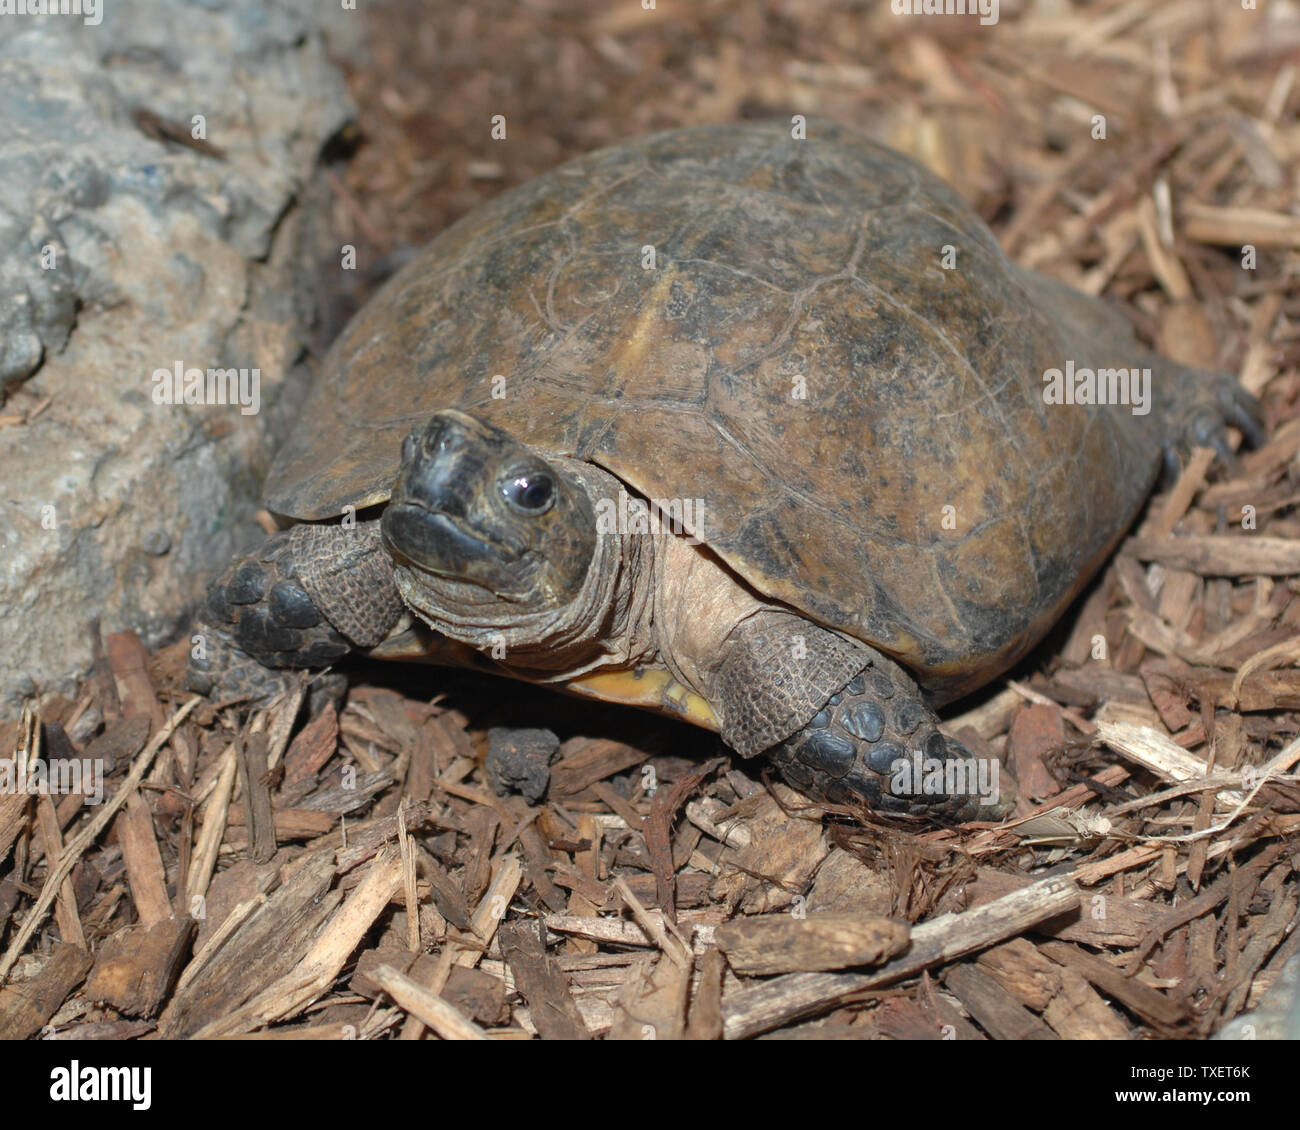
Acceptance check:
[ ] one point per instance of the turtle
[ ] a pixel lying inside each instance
(755, 428)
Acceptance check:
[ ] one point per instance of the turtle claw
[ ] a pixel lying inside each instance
(1210, 431)
(1172, 464)
(1243, 412)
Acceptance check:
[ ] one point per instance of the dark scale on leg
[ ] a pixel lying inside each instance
(290, 605)
(260, 614)
(262, 607)
(851, 749)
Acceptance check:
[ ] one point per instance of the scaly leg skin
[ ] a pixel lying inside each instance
(856, 726)
(304, 598)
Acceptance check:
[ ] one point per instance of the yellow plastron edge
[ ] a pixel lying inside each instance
(649, 688)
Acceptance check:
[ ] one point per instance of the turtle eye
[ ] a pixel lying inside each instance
(531, 492)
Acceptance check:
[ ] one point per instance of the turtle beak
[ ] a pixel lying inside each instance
(443, 464)
(435, 517)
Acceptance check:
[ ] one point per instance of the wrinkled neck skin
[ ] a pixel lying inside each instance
(647, 599)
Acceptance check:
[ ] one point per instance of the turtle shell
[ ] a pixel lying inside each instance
(816, 338)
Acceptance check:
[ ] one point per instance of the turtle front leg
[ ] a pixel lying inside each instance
(849, 723)
(304, 598)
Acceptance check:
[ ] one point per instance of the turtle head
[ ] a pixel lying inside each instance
(481, 518)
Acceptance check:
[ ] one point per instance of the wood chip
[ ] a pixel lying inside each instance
(542, 984)
(996, 1010)
(136, 968)
(782, 943)
(1150, 1004)
(434, 1012)
(587, 761)
(25, 1008)
(753, 1010)
(82, 840)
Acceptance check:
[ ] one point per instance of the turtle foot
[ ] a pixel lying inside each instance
(257, 621)
(261, 606)
(877, 741)
(224, 672)
(1208, 403)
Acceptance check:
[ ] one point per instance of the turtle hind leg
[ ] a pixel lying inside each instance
(869, 735)
(304, 598)
(1197, 406)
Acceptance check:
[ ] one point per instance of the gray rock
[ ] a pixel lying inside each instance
(1276, 1017)
(123, 253)
(519, 760)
